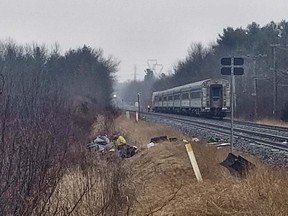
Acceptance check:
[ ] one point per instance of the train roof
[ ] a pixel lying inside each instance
(187, 87)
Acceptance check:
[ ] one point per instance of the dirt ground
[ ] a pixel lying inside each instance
(164, 183)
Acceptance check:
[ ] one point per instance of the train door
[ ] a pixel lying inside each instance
(216, 96)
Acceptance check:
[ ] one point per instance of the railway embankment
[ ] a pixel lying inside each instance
(163, 182)
(266, 142)
(159, 179)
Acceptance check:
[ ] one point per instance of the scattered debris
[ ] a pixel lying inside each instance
(213, 140)
(172, 139)
(103, 144)
(195, 140)
(127, 151)
(185, 141)
(158, 139)
(100, 143)
(213, 143)
(150, 145)
(218, 142)
(238, 166)
(223, 145)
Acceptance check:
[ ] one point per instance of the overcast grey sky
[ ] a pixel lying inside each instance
(132, 30)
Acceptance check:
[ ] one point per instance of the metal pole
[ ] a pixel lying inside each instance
(234, 95)
(255, 88)
(274, 81)
(232, 104)
(138, 99)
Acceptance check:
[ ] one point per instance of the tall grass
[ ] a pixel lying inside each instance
(160, 180)
(165, 183)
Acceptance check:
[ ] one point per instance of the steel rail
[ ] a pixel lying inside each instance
(257, 137)
(259, 125)
(272, 128)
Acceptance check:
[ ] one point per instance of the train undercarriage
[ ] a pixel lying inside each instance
(207, 113)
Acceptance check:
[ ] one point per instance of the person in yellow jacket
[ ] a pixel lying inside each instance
(120, 141)
(120, 144)
(122, 148)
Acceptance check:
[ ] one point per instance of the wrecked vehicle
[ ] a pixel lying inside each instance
(101, 144)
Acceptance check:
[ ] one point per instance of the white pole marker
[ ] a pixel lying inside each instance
(127, 115)
(193, 162)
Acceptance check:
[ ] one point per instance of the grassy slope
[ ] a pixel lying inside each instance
(160, 181)
(164, 182)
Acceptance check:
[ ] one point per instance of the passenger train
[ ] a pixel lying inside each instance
(207, 98)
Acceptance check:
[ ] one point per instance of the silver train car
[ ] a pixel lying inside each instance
(209, 98)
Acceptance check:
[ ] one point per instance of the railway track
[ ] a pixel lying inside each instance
(257, 125)
(273, 137)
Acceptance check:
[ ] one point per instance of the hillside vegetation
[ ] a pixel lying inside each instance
(255, 44)
(48, 104)
(160, 181)
(166, 185)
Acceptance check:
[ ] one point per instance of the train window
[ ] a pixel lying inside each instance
(216, 92)
(185, 96)
(195, 94)
(160, 98)
(177, 97)
(155, 98)
(170, 98)
(164, 98)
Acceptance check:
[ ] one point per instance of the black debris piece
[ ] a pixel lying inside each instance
(158, 139)
(238, 166)
(172, 139)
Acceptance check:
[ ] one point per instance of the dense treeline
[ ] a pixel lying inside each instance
(254, 44)
(48, 101)
(128, 91)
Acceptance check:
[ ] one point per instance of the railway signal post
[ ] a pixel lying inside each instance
(232, 66)
(138, 100)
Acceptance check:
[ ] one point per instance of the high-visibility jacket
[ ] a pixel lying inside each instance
(120, 140)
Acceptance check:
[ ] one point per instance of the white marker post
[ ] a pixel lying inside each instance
(193, 162)
(127, 115)
(137, 117)
(137, 108)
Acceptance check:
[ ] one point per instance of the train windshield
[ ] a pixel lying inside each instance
(216, 92)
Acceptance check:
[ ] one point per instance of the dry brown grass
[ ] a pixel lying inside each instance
(160, 181)
(165, 183)
(97, 188)
(270, 121)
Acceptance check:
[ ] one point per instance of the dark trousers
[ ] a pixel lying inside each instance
(125, 151)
